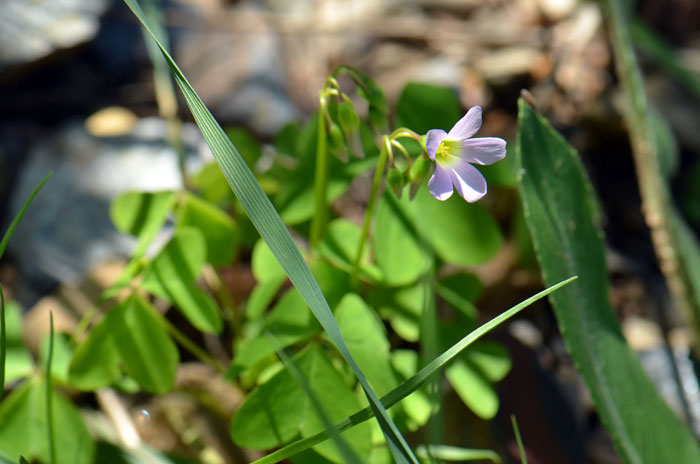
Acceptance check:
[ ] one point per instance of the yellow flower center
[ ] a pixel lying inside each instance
(448, 149)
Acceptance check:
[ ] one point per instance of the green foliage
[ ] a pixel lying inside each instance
(218, 228)
(279, 410)
(460, 233)
(18, 362)
(397, 248)
(560, 211)
(23, 426)
(310, 359)
(132, 336)
(141, 214)
(422, 107)
(172, 274)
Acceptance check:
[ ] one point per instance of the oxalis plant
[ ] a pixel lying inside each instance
(338, 350)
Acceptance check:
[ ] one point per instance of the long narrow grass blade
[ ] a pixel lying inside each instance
(518, 439)
(3, 342)
(453, 453)
(270, 226)
(412, 384)
(49, 395)
(15, 221)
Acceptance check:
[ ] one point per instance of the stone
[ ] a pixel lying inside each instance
(67, 229)
(33, 30)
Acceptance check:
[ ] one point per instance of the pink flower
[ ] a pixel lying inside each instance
(453, 152)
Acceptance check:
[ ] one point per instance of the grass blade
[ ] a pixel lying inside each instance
(3, 342)
(518, 439)
(270, 226)
(453, 453)
(412, 384)
(49, 400)
(15, 221)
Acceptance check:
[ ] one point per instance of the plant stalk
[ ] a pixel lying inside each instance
(318, 223)
(378, 174)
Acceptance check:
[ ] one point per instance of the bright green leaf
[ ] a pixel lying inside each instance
(422, 107)
(265, 265)
(18, 361)
(23, 427)
(218, 228)
(397, 248)
(141, 214)
(301, 208)
(262, 295)
(96, 361)
(473, 388)
(148, 353)
(172, 276)
(366, 339)
(212, 185)
(460, 232)
(279, 410)
(340, 244)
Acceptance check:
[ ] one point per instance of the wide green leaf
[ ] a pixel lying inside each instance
(23, 427)
(96, 361)
(18, 361)
(141, 214)
(402, 307)
(172, 276)
(289, 322)
(560, 212)
(148, 353)
(422, 107)
(218, 228)
(340, 244)
(461, 233)
(367, 341)
(397, 247)
(279, 410)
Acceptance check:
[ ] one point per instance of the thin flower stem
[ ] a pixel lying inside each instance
(378, 174)
(318, 223)
(191, 346)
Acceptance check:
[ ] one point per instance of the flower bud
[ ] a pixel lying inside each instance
(338, 146)
(419, 171)
(347, 117)
(395, 180)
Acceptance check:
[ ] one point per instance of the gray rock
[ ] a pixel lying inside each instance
(67, 229)
(31, 30)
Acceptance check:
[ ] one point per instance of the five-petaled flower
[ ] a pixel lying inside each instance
(453, 152)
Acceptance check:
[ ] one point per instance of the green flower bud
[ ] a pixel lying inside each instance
(420, 170)
(347, 117)
(338, 146)
(395, 180)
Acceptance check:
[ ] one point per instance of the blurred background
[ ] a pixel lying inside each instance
(77, 97)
